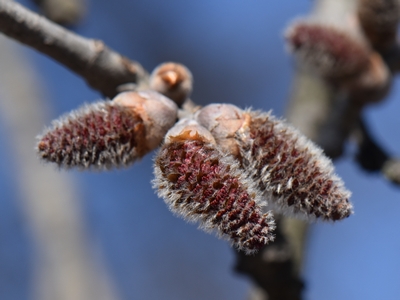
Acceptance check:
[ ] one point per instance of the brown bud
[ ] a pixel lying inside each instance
(158, 112)
(379, 20)
(109, 134)
(187, 129)
(202, 184)
(293, 173)
(172, 80)
(223, 121)
(328, 51)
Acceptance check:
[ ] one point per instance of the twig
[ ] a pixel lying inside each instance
(372, 157)
(102, 68)
(272, 269)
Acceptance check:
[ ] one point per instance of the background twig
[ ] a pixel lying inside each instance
(64, 267)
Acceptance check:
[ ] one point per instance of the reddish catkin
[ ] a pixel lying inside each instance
(326, 50)
(290, 171)
(293, 173)
(108, 134)
(199, 183)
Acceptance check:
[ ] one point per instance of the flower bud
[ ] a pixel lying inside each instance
(223, 121)
(158, 112)
(328, 51)
(172, 80)
(201, 184)
(109, 134)
(187, 129)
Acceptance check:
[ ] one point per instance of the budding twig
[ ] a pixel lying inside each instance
(289, 170)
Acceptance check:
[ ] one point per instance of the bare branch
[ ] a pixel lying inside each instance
(102, 68)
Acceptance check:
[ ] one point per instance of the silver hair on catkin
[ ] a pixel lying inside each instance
(108, 134)
(289, 170)
(293, 172)
(200, 183)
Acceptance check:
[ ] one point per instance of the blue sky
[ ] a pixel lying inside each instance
(236, 53)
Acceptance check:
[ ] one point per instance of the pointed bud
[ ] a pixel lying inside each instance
(293, 173)
(172, 80)
(200, 183)
(109, 134)
(379, 20)
(326, 50)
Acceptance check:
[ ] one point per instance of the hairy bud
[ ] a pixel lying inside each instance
(293, 173)
(328, 51)
(379, 20)
(172, 80)
(200, 183)
(109, 134)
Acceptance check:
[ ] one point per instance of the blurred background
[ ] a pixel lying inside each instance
(105, 235)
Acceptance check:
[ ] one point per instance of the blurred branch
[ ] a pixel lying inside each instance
(65, 269)
(102, 68)
(372, 157)
(392, 57)
(324, 114)
(273, 270)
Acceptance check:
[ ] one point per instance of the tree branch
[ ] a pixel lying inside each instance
(102, 68)
(273, 270)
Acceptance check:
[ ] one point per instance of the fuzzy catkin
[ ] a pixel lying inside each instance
(293, 173)
(199, 183)
(329, 51)
(100, 135)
